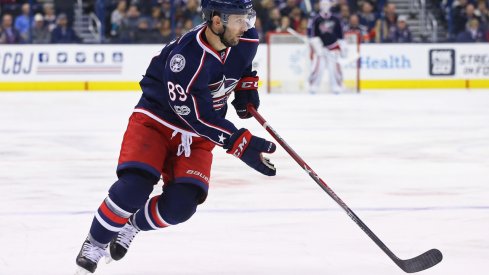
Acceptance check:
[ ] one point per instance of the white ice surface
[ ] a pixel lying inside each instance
(414, 166)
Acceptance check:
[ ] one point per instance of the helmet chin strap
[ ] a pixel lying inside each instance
(221, 35)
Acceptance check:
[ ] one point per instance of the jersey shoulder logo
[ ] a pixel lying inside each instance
(177, 63)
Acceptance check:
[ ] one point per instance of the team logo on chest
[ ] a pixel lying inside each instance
(177, 63)
(326, 26)
(221, 90)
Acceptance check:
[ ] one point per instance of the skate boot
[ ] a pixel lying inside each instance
(89, 256)
(120, 244)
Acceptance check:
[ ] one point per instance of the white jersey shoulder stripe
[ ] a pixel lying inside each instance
(201, 64)
(249, 40)
(206, 48)
(228, 50)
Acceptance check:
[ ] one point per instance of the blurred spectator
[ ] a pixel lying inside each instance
(166, 35)
(259, 30)
(287, 7)
(187, 25)
(192, 12)
(482, 8)
(144, 6)
(459, 17)
(8, 34)
(49, 16)
(129, 25)
(354, 26)
(272, 21)
(344, 16)
(483, 13)
(155, 19)
(304, 7)
(262, 7)
(116, 18)
(302, 28)
(177, 17)
(64, 33)
(367, 17)
(166, 9)
(284, 24)
(470, 13)
(315, 9)
(386, 26)
(352, 5)
(473, 33)
(23, 21)
(403, 34)
(381, 27)
(39, 32)
(145, 34)
(335, 8)
(65, 7)
(295, 17)
(178, 31)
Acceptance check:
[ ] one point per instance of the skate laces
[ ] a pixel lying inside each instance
(93, 252)
(126, 235)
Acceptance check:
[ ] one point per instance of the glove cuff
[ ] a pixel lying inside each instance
(247, 83)
(239, 141)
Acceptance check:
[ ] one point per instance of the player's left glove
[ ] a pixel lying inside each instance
(246, 92)
(249, 149)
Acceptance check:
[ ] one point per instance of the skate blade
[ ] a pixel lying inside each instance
(82, 271)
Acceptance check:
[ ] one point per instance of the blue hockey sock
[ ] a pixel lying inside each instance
(126, 195)
(176, 205)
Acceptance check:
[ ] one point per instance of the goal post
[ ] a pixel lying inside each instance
(289, 63)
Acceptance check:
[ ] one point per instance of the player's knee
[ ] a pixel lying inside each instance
(179, 202)
(132, 190)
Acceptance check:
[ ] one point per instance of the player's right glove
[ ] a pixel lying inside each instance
(246, 92)
(249, 149)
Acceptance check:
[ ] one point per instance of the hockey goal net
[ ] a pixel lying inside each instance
(289, 63)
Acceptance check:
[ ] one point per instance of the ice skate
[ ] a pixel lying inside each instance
(120, 244)
(89, 257)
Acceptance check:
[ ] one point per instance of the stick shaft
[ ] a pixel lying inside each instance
(322, 184)
(424, 261)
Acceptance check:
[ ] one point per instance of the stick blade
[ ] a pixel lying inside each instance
(424, 261)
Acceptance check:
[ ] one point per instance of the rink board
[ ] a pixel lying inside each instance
(119, 67)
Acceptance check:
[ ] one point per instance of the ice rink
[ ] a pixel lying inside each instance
(414, 166)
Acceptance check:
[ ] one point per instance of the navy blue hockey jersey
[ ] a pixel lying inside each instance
(188, 84)
(326, 27)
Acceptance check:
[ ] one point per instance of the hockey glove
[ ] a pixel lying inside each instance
(249, 149)
(246, 92)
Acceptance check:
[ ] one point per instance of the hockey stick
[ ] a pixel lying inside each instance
(416, 264)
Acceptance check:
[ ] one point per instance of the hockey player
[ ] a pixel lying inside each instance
(324, 32)
(176, 124)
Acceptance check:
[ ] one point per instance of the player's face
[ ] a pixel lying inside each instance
(237, 25)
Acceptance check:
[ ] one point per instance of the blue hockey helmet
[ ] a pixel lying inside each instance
(225, 8)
